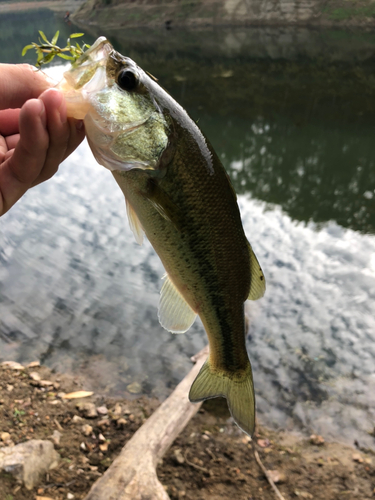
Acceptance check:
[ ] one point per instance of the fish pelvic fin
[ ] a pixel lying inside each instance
(175, 315)
(134, 223)
(238, 389)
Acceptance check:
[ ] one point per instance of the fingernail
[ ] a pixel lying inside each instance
(60, 101)
(62, 110)
(42, 112)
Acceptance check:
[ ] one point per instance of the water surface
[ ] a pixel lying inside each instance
(293, 124)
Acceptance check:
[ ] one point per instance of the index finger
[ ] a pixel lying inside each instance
(9, 121)
(19, 83)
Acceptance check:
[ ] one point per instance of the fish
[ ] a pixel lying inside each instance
(180, 196)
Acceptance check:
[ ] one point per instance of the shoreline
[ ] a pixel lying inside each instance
(129, 15)
(210, 459)
(54, 5)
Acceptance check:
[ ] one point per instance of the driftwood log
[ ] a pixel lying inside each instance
(132, 476)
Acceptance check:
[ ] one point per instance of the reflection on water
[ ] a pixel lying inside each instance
(79, 294)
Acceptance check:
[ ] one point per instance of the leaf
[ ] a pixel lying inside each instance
(43, 36)
(26, 48)
(55, 38)
(78, 394)
(64, 56)
(76, 35)
(48, 57)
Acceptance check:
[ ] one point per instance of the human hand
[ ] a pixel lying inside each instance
(35, 133)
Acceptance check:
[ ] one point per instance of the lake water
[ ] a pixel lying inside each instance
(291, 113)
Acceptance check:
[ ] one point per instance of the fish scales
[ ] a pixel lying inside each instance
(179, 194)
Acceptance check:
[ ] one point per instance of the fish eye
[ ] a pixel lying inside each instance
(127, 80)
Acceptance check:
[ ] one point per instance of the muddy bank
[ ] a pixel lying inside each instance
(211, 459)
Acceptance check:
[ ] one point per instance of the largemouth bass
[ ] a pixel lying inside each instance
(178, 193)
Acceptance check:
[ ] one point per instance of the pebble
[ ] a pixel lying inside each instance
(357, 458)
(13, 365)
(102, 410)
(178, 456)
(87, 430)
(5, 436)
(316, 439)
(35, 376)
(33, 364)
(56, 436)
(121, 422)
(70, 496)
(88, 409)
(134, 388)
(77, 419)
(117, 409)
(104, 447)
(103, 423)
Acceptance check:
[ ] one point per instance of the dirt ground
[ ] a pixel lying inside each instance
(212, 459)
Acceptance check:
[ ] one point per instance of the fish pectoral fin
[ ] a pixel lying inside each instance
(134, 223)
(239, 392)
(175, 315)
(162, 203)
(258, 281)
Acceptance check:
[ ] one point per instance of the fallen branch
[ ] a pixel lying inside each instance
(132, 476)
(269, 478)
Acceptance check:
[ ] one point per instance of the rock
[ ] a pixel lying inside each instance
(101, 437)
(88, 410)
(5, 437)
(70, 496)
(104, 423)
(102, 410)
(276, 476)
(28, 461)
(35, 376)
(87, 430)
(178, 456)
(13, 365)
(121, 422)
(357, 458)
(33, 364)
(104, 446)
(303, 494)
(117, 409)
(77, 419)
(264, 443)
(56, 436)
(134, 388)
(317, 440)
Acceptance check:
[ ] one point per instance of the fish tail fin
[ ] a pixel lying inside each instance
(238, 389)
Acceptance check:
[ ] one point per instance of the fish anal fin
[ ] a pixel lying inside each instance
(238, 390)
(175, 315)
(258, 281)
(134, 223)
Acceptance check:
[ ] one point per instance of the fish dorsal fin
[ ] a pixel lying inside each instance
(258, 282)
(134, 223)
(175, 315)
